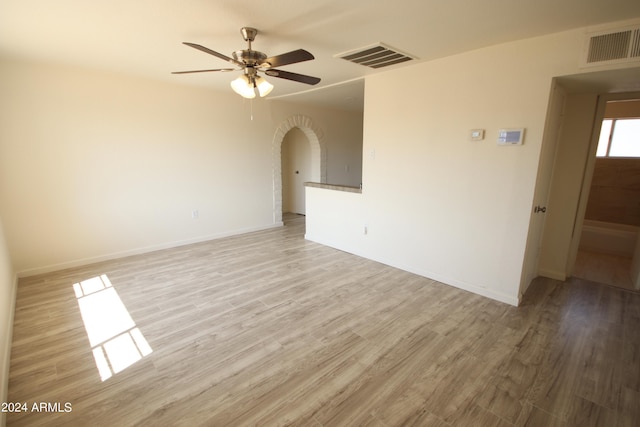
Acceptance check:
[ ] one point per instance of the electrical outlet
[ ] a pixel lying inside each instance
(195, 214)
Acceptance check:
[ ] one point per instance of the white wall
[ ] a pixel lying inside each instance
(96, 165)
(436, 203)
(343, 211)
(7, 304)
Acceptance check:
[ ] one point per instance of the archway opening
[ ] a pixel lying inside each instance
(317, 153)
(296, 170)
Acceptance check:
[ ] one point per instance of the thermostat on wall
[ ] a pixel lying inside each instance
(510, 136)
(476, 134)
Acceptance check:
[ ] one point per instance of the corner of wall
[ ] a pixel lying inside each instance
(8, 292)
(552, 274)
(5, 357)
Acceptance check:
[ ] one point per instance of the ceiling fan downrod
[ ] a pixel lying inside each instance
(248, 34)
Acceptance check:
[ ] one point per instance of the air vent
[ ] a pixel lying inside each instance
(376, 56)
(609, 46)
(620, 45)
(634, 51)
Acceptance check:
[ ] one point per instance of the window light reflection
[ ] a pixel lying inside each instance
(115, 340)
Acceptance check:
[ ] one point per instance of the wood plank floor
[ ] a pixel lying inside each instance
(269, 329)
(599, 267)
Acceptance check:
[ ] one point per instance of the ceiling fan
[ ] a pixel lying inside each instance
(251, 62)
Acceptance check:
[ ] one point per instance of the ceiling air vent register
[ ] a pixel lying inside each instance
(620, 45)
(376, 56)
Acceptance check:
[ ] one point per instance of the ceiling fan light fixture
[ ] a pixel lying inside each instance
(263, 86)
(243, 87)
(250, 84)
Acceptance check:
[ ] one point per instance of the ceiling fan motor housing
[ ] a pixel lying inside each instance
(250, 57)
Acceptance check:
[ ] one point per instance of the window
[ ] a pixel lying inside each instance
(619, 138)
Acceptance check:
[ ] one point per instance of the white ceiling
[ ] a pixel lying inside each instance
(143, 37)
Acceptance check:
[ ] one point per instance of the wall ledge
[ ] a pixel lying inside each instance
(334, 187)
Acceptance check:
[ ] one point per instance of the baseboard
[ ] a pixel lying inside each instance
(485, 292)
(478, 290)
(138, 251)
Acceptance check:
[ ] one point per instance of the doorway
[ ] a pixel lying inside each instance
(296, 170)
(573, 171)
(612, 219)
(318, 157)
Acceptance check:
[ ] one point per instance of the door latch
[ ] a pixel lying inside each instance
(542, 209)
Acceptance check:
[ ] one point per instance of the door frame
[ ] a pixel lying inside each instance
(296, 170)
(585, 189)
(318, 157)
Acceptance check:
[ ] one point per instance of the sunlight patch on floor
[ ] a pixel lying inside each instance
(115, 340)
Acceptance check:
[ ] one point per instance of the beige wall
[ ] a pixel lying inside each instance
(436, 203)
(96, 165)
(7, 301)
(461, 208)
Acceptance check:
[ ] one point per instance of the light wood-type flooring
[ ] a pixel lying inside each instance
(269, 329)
(599, 267)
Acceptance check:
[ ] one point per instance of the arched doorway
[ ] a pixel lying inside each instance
(318, 157)
(296, 170)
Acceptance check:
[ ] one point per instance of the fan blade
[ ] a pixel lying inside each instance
(292, 57)
(203, 71)
(293, 76)
(214, 53)
(223, 70)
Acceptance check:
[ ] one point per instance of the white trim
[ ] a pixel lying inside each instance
(138, 251)
(497, 296)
